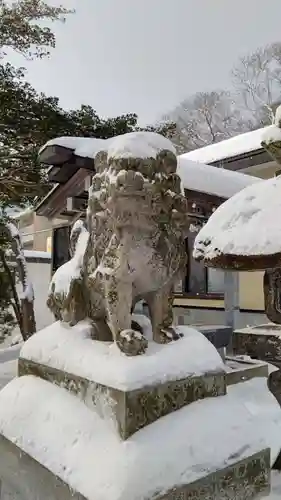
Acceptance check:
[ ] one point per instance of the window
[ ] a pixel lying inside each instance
(200, 280)
(215, 281)
(60, 253)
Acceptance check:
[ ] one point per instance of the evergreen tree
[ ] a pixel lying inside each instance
(28, 119)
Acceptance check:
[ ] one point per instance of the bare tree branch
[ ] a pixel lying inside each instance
(206, 118)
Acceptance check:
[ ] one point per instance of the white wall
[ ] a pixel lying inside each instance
(40, 274)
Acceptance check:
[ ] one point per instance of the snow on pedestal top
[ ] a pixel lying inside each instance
(72, 350)
(248, 224)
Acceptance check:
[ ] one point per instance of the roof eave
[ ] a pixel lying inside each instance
(245, 160)
(55, 155)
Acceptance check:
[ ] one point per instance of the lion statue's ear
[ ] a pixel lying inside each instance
(100, 161)
(167, 161)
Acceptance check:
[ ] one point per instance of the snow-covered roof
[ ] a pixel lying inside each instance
(212, 180)
(245, 226)
(195, 176)
(141, 144)
(36, 254)
(86, 147)
(229, 148)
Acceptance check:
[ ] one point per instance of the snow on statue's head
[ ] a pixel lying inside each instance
(137, 223)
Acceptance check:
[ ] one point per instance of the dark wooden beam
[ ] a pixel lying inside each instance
(246, 160)
(55, 203)
(55, 155)
(61, 174)
(204, 197)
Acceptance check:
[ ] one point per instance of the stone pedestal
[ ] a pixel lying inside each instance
(84, 421)
(260, 342)
(132, 409)
(240, 370)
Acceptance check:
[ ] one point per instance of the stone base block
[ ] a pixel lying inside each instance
(24, 478)
(238, 370)
(132, 409)
(260, 342)
(137, 391)
(53, 447)
(247, 479)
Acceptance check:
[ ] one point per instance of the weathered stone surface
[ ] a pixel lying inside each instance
(272, 294)
(23, 478)
(260, 342)
(244, 480)
(132, 410)
(218, 335)
(241, 371)
(132, 246)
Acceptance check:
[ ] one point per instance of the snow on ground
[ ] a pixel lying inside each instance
(246, 224)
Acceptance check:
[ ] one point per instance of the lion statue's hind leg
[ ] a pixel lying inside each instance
(160, 306)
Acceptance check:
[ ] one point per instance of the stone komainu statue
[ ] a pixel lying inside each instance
(131, 246)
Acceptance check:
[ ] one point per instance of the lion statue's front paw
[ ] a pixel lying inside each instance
(167, 335)
(132, 342)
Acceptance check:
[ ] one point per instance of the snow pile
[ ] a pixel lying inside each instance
(71, 349)
(246, 224)
(212, 180)
(78, 225)
(63, 276)
(75, 444)
(82, 146)
(271, 134)
(139, 144)
(238, 145)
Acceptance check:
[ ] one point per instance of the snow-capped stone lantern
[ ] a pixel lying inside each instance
(244, 234)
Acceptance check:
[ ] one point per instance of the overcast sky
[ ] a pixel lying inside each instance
(145, 56)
